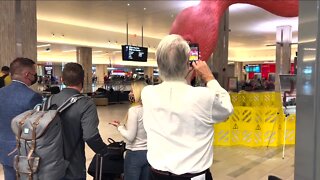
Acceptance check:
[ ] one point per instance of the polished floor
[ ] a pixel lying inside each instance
(230, 163)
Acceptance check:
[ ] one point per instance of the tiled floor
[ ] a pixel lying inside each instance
(240, 163)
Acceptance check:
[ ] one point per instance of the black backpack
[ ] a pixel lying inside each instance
(2, 82)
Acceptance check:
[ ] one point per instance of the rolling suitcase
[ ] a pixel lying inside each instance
(109, 166)
(104, 168)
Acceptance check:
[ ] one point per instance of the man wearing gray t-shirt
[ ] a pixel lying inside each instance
(79, 123)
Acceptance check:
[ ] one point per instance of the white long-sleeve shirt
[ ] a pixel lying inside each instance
(134, 133)
(178, 119)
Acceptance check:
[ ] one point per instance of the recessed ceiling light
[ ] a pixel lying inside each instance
(128, 4)
(72, 50)
(144, 8)
(44, 45)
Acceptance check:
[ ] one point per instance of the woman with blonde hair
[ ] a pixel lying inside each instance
(136, 166)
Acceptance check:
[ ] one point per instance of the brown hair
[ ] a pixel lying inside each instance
(19, 64)
(72, 74)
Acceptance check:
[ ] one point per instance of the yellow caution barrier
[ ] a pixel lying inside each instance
(260, 122)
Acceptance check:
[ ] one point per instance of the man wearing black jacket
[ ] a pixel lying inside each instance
(79, 123)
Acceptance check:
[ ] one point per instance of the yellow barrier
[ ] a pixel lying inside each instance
(259, 123)
(249, 99)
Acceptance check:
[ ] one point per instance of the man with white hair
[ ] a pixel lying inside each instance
(178, 118)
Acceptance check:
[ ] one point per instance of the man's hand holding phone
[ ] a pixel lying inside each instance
(203, 70)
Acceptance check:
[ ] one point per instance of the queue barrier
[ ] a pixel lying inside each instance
(260, 123)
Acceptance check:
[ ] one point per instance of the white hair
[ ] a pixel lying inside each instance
(172, 57)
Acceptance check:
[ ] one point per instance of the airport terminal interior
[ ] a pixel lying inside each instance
(239, 162)
(255, 59)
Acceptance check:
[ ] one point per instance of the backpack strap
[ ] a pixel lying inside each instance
(45, 105)
(73, 99)
(68, 102)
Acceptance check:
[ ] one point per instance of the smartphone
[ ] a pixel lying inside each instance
(194, 52)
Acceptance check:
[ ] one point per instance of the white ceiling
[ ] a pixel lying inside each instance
(102, 25)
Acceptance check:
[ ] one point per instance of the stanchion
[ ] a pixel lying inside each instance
(272, 132)
(284, 134)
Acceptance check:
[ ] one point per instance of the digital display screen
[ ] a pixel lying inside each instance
(134, 53)
(253, 68)
(48, 70)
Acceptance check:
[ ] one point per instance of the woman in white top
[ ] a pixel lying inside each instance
(136, 166)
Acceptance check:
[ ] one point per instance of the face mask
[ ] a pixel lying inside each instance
(131, 98)
(35, 79)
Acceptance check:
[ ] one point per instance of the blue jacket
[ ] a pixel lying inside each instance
(14, 99)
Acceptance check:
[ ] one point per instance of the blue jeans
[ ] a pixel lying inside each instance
(9, 172)
(136, 166)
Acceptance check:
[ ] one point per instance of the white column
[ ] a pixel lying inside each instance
(101, 70)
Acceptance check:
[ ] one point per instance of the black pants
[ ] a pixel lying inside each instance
(159, 175)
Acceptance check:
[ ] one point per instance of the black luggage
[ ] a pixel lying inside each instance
(108, 166)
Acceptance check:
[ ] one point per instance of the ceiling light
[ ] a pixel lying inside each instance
(144, 8)
(128, 4)
(44, 45)
(271, 26)
(72, 50)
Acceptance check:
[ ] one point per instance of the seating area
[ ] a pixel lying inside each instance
(103, 97)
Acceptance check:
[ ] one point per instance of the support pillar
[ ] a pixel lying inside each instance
(307, 152)
(149, 71)
(283, 52)
(84, 57)
(18, 31)
(218, 62)
(101, 71)
(238, 71)
(57, 72)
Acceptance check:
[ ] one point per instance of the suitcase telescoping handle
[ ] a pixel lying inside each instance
(99, 163)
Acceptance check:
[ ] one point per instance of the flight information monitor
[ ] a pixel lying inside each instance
(134, 53)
